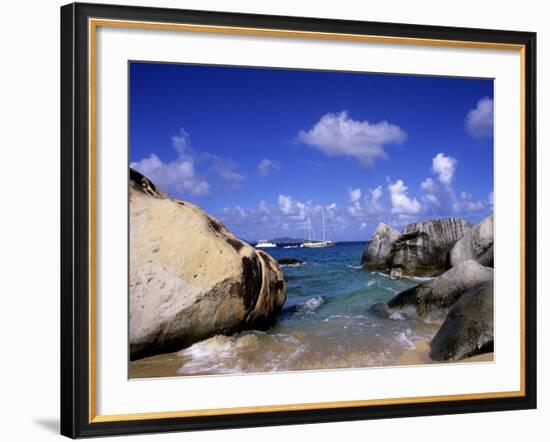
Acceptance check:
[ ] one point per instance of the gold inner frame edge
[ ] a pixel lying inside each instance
(93, 24)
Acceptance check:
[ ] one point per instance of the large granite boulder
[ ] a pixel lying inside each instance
(468, 329)
(423, 247)
(476, 244)
(378, 252)
(433, 299)
(190, 278)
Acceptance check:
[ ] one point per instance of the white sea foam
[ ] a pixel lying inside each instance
(354, 267)
(420, 278)
(218, 345)
(385, 275)
(392, 289)
(311, 304)
(405, 338)
(242, 352)
(298, 264)
(397, 316)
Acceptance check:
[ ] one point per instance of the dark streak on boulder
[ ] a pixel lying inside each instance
(215, 225)
(235, 243)
(251, 281)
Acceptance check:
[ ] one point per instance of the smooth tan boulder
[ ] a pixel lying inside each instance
(190, 278)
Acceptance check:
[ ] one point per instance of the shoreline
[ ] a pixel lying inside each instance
(419, 355)
(168, 364)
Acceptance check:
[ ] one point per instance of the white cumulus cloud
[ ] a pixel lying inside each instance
(264, 207)
(370, 203)
(402, 204)
(354, 195)
(225, 169)
(373, 203)
(266, 166)
(180, 142)
(339, 135)
(467, 204)
(444, 167)
(180, 177)
(286, 203)
(176, 177)
(479, 120)
(439, 194)
(376, 193)
(428, 185)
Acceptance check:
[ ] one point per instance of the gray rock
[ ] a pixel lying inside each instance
(292, 262)
(381, 310)
(423, 247)
(190, 278)
(476, 244)
(378, 252)
(433, 299)
(468, 329)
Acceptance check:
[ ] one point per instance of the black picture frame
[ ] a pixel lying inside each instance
(75, 221)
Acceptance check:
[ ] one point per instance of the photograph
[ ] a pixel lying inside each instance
(278, 219)
(286, 220)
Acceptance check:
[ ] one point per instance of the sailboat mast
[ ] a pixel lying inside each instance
(323, 214)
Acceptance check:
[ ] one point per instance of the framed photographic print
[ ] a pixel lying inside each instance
(278, 220)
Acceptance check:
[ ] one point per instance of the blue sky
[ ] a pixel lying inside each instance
(263, 150)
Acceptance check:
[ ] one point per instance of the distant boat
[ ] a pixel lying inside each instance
(264, 243)
(313, 244)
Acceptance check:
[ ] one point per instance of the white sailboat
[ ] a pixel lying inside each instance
(311, 243)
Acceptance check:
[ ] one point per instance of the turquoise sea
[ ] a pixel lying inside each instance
(325, 322)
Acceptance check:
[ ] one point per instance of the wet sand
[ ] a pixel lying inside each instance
(159, 366)
(420, 355)
(167, 365)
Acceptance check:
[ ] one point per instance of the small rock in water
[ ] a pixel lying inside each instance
(381, 310)
(290, 262)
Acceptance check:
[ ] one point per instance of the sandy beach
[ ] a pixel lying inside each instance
(420, 355)
(167, 365)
